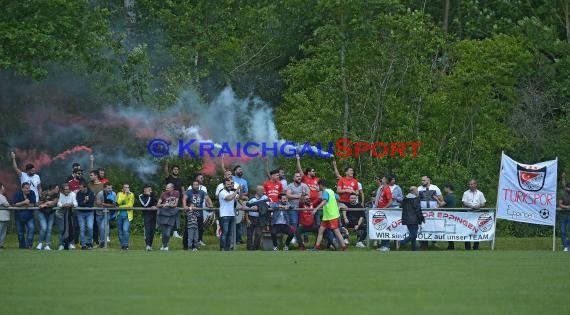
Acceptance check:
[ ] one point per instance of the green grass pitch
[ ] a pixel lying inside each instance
(507, 281)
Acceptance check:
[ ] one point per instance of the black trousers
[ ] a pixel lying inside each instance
(254, 234)
(149, 218)
(283, 229)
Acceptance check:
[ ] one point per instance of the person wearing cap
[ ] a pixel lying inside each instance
(564, 205)
(28, 176)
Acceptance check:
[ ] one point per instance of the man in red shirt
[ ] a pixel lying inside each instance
(384, 200)
(310, 179)
(273, 186)
(347, 185)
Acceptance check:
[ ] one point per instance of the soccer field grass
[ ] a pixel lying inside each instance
(354, 282)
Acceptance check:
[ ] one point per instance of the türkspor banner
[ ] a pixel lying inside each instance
(439, 226)
(527, 193)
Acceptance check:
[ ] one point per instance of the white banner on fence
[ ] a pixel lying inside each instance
(527, 193)
(440, 225)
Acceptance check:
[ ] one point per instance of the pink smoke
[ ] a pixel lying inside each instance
(41, 159)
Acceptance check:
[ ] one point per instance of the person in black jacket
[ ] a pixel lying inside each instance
(412, 216)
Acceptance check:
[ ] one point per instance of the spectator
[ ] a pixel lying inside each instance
(307, 222)
(273, 187)
(95, 185)
(105, 199)
(148, 201)
(355, 219)
(449, 201)
(295, 192)
(63, 217)
(346, 185)
(412, 216)
(331, 213)
(254, 219)
(193, 198)
(397, 194)
(125, 200)
(227, 197)
(205, 214)
(430, 197)
(174, 178)
(85, 199)
(474, 199)
(100, 173)
(29, 176)
(4, 215)
(238, 179)
(46, 215)
(384, 200)
(168, 213)
(25, 198)
(280, 222)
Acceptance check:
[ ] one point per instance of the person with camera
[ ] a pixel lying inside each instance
(227, 198)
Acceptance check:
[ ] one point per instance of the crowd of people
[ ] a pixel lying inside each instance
(276, 208)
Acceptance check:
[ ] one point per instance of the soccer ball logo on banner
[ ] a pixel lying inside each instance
(379, 220)
(531, 179)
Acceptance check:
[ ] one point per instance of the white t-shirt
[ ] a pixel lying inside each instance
(472, 199)
(34, 182)
(4, 214)
(426, 196)
(226, 206)
(221, 186)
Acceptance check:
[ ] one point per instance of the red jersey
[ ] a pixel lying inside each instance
(344, 184)
(272, 190)
(386, 195)
(313, 187)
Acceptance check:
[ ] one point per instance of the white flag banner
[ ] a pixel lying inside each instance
(527, 193)
(440, 225)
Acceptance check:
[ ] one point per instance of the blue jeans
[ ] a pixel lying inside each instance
(413, 228)
(85, 220)
(123, 226)
(103, 226)
(226, 224)
(293, 218)
(25, 221)
(46, 225)
(564, 227)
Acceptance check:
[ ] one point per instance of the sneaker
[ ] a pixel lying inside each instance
(176, 235)
(148, 248)
(346, 241)
(294, 241)
(40, 246)
(71, 246)
(84, 247)
(194, 249)
(60, 247)
(565, 249)
(360, 245)
(285, 248)
(201, 243)
(108, 240)
(46, 247)
(332, 247)
(165, 249)
(384, 249)
(275, 248)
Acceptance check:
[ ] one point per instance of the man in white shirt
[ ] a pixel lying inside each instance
(63, 217)
(430, 197)
(474, 199)
(29, 176)
(227, 197)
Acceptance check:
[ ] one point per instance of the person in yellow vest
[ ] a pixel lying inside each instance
(125, 199)
(331, 214)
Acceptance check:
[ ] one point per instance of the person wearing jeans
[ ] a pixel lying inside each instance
(25, 197)
(63, 216)
(412, 216)
(85, 199)
(46, 216)
(227, 197)
(105, 198)
(125, 199)
(168, 213)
